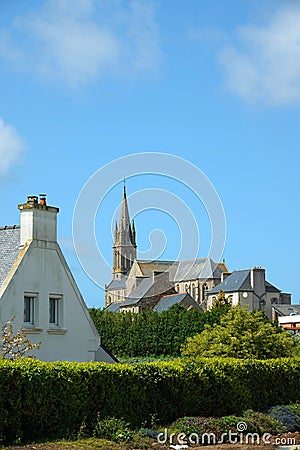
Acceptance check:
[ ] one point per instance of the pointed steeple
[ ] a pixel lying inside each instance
(124, 222)
(124, 248)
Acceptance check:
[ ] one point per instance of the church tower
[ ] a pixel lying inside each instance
(124, 248)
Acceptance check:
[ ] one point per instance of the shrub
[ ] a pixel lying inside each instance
(151, 333)
(286, 416)
(113, 429)
(40, 400)
(221, 426)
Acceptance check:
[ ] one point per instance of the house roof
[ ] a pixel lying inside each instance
(237, 281)
(287, 310)
(9, 249)
(271, 288)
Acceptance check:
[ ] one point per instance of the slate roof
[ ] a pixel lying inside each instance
(114, 307)
(184, 270)
(200, 268)
(9, 249)
(271, 288)
(148, 288)
(117, 284)
(169, 300)
(239, 281)
(287, 310)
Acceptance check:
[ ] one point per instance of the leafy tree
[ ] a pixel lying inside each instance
(221, 301)
(15, 345)
(241, 334)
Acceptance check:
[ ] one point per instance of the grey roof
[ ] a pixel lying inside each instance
(287, 310)
(117, 284)
(114, 307)
(271, 288)
(237, 281)
(169, 300)
(200, 268)
(9, 249)
(148, 288)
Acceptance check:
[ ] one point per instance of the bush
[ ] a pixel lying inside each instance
(255, 423)
(286, 416)
(151, 333)
(40, 400)
(113, 429)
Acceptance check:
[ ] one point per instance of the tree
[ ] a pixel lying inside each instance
(15, 345)
(241, 334)
(221, 301)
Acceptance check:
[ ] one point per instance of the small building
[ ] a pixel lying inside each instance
(37, 288)
(251, 289)
(288, 317)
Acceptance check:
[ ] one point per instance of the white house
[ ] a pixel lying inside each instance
(251, 289)
(38, 289)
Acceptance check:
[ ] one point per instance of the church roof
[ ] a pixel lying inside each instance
(9, 249)
(114, 307)
(117, 284)
(148, 288)
(167, 301)
(200, 268)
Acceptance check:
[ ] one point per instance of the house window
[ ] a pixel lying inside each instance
(55, 311)
(29, 309)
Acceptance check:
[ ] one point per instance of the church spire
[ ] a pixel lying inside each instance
(124, 248)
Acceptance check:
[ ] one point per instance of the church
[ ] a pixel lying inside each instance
(137, 285)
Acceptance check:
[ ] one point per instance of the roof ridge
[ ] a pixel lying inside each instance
(10, 227)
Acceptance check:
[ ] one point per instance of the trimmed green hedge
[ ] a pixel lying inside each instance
(40, 400)
(151, 333)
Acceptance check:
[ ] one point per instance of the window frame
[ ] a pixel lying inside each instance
(57, 314)
(32, 310)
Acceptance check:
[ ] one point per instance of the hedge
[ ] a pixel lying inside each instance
(151, 333)
(40, 400)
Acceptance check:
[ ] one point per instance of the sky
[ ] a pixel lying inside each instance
(84, 83)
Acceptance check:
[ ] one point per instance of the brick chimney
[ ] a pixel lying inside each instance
(37, 220)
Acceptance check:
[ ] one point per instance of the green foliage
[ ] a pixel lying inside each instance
(286, 416)
(221, 301)
(256, 422)
(241, 334)
(150, 333)
(114, 429)
(40, 400)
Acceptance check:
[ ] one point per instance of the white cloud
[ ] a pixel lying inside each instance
(79, 40)
(264, 65)
(11, 147)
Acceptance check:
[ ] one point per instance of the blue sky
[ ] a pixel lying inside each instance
(217, 83)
